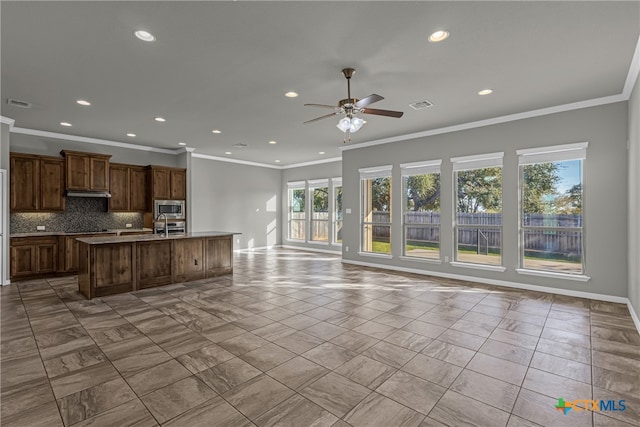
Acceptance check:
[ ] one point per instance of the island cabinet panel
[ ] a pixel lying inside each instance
(188, 257)
(154, 264)
(113, 267)
(219, 252)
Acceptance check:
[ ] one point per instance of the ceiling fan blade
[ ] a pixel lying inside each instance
(333, 107)
(387, 113)
(368, 100)
(322, 117)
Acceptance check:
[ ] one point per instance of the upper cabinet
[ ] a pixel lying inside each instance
(128, 188)
(168, 183)
(86, 171)
(37, 183)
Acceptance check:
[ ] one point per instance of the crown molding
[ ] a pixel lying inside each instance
(311, 163)
(241, 162)
(634, 71)
(7, 121)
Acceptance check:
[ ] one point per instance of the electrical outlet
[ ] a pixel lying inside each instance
(346, 248)
(446, 259)
(40, 228)
(128, 225)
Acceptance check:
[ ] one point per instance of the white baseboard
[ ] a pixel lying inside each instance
(260, 248)
(304, 248)
(634, 316)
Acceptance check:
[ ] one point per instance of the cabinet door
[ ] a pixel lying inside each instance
(51, 185)
(219, 252)
(154, 263)
(99, 168)
(70, 253)
(119, 188)
(46, 257)
(188, 255)
(138, 189)
(23, 260)
(24, 183)
(161, 184)
(178, 185)
(77, 172)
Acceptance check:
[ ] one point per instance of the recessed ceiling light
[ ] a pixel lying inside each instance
(132, 135)
(277, 161)
(83, 102)
(438, 36)
(321, 152)
(216, 131)
(160, 119)
(145, 36)
(485, 92)
(227, 152)
(65, 124)
(273, 142)
(291, 94)
(182, 143)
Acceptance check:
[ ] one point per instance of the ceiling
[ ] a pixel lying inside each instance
(227, 65)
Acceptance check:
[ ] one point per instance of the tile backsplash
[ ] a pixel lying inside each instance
(81, 214)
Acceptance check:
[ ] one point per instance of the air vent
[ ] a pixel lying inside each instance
(240, 146)
(18, 103)
(421, 105)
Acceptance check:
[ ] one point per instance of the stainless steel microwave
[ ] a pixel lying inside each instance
(173, 209)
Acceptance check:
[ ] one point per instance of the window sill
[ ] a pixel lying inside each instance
(564, 276)
(318, 242)
(375, 255)
(486, 267)
(336, 244)
(295, 241)
(424, 260)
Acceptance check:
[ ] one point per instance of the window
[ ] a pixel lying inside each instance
(297, 211)
(478, 201)
(421, 209)
(337, 210)
(319, 191)
(551, 208)
(376, 209)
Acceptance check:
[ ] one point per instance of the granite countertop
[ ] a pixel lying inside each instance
(74, 233)
(99, 240)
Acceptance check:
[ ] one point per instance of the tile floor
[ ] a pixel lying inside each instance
(297, 339)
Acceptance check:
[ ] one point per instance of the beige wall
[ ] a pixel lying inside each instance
(633, 252)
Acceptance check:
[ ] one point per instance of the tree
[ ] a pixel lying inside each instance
(480, 190)
(381, 194)
(570, 203)
(423, 192)
(540, 181)
(321, 199)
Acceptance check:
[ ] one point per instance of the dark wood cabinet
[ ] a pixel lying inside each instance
(154, 263)
(37, 183)
(33, 256)
(188, 256)
(128, 188)
(70, 250)
(219, 252)
(86, 171)
(168, 183)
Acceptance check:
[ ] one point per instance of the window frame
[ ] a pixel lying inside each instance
(467, 163)
(374, 173)
(312, 185)
(335, 183)
(417, 169)
(292, 186)
(552, 154)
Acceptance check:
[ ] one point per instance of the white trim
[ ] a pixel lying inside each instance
(317, 183)
(487, 267)
(375, 172)
(296, 185)
(259, 248)
(634, 316)
(7, 121)
(553, 275)
(242, 162)
(420, 260)
(311, 163)
(336, 182)
(477, 161)
(317, 242)
(375, 255)
(517, 285)
(493, 121)
(87, 140)
(632, 75)
(554, 153)
(420, 168)
(324, 251)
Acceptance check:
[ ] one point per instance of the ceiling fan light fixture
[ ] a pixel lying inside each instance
(356, 124)
(344, 124)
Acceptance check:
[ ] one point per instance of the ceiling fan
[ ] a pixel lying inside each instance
(351, 107)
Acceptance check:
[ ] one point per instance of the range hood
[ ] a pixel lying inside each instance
(101, 194)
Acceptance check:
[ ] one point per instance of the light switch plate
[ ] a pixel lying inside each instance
(348, 210)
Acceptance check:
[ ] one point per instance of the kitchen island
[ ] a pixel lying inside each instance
(115, 264)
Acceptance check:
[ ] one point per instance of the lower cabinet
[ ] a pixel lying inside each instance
(71, 250)
(219, 255)
(33, 256)
(188, 258)
(154, 264)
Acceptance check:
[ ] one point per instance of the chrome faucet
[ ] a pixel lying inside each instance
(166, 226)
